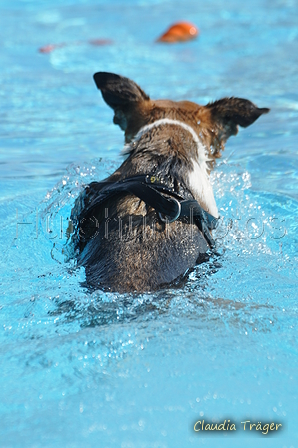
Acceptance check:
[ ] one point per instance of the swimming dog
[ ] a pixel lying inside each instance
(151, 221)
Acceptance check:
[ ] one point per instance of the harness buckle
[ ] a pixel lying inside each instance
(177, 214)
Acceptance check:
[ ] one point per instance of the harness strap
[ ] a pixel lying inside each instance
(157, 194)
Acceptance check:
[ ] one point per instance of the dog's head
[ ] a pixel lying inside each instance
(213, 123)
(180, 140)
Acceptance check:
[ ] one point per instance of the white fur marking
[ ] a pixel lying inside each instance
(198, 179)
(199, 183)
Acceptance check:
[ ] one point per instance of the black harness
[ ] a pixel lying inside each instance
(156, 192)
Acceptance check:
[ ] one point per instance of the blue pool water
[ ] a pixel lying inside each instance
(109, 370)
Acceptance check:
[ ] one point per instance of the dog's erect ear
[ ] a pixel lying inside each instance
(117, 90)
(125, 97)
(228, 113)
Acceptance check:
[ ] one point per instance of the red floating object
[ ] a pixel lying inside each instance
(98, 42)
(179, 32)
(50, 48)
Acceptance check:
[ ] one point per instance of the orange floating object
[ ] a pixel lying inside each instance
(179, 32)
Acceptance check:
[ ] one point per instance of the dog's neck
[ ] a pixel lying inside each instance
(169, 121)
(198, 178)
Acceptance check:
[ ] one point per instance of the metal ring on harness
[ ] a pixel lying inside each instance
(177, 214)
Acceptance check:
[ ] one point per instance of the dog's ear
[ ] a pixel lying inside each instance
(122, 95)
(117, 90)
(228, 113)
